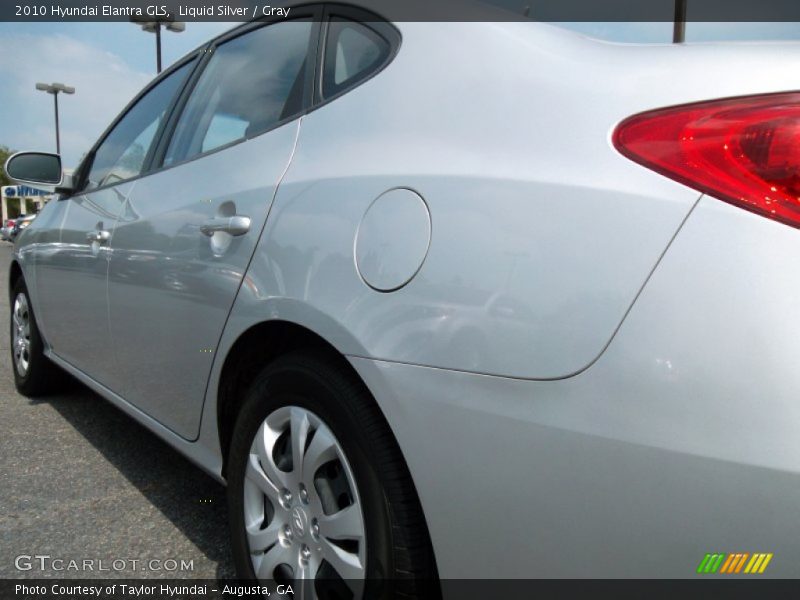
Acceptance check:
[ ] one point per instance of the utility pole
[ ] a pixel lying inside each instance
(679, 22)
(55, 89)
(153, 25)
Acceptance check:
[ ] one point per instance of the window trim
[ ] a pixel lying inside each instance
(321, 14)
(376, 24)
(315, 11)
(86, 165)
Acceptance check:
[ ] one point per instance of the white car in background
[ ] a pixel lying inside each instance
(21, 223)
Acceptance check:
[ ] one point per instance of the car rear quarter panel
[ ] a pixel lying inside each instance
(508, 140)
(542, 234)
(678, 428)
(681, 440)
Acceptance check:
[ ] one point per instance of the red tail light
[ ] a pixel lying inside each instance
(745, 151)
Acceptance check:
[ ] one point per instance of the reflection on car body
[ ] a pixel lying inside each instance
(433, 304)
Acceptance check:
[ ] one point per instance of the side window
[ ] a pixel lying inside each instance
(353, 52)
(250, 84)
(121, 154)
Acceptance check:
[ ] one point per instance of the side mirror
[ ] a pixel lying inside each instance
(35, 167)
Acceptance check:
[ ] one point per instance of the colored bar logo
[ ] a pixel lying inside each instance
(734, 563)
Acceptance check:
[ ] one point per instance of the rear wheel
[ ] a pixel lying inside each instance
(319, 495)
(34, 373)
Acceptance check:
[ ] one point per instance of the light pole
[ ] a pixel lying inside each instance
(55, 88)
(679, 22)
(153, 25)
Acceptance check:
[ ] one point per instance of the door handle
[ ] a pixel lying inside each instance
(98, 235)
(235, 225)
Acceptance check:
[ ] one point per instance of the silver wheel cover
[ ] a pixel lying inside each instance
(302, 512)
(21, 334)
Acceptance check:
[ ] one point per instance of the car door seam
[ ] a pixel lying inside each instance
(109, 251)
(246, 270)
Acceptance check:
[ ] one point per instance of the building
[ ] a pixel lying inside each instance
(21, 200)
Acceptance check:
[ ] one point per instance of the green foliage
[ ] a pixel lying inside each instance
(4, 154)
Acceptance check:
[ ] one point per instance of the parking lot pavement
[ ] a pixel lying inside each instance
(81, 481)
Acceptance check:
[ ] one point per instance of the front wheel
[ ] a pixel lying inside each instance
(34, 373)
(319, 495)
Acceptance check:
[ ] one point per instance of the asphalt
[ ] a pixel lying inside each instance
(79, 481)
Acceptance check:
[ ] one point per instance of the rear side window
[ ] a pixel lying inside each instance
(250, 84)
(353, 52)
(121, 155)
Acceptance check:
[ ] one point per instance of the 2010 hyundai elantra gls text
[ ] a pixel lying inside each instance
(445, 300)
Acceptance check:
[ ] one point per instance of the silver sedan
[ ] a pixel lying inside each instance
(444, 300)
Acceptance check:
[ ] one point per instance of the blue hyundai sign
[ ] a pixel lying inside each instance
(17, 191)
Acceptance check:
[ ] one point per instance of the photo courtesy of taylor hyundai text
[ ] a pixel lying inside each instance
(399, 299)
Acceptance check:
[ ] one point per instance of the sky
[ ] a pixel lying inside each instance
(108, 63)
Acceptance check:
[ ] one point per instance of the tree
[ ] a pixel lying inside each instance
(4, 154)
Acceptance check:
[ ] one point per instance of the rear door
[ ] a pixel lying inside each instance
(71, 267)
(190, 229)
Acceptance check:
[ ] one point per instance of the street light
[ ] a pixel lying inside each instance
(153, 25)
(679, 22)
(55, 88)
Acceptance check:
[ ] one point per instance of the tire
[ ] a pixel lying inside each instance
(313, 391)
(34, 374)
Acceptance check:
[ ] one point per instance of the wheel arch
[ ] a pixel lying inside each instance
(266, 342)
(14, 275)
(251, 352)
